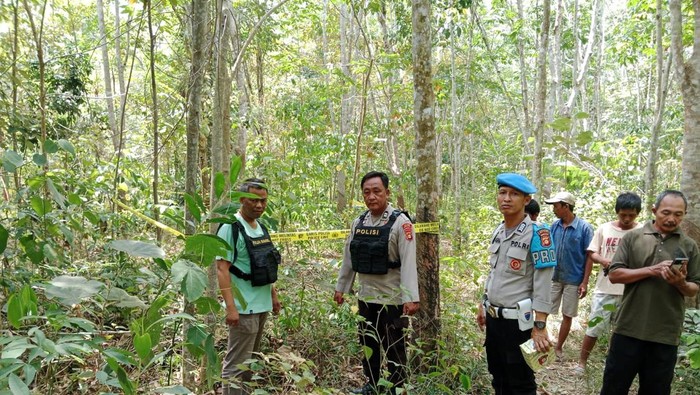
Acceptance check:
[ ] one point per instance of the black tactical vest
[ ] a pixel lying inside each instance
(264, 257)
(369, 248)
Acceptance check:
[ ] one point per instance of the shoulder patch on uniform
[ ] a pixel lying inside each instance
(541, 247)
(408, 230)
(521, 227)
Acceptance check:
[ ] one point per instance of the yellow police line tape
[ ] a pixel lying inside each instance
(421, 227)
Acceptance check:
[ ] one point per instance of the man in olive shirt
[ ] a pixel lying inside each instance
(650, 321)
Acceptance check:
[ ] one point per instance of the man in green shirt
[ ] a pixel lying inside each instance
(650, 321)
(245, 318)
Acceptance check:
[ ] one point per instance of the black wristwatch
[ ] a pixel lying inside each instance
(540, 324)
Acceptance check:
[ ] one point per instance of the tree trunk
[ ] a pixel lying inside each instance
(198, 56)
(120, 75)
(233, 28)
(107, 76)
(662, 75)
(347, 99)
(427, 247)
(688, 73)
(541, 95)
(154, 114)
(524, 91)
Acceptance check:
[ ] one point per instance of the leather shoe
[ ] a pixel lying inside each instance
(367, 389)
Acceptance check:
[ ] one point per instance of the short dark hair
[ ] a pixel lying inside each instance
(533, 207)
(257, 183)
(372, 174)
(671, 192)
(628, 200)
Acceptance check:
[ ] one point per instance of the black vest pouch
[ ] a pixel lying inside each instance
(264, 259)
(369, 247)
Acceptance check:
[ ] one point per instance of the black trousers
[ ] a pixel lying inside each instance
(654, 362)
(511, 374)
(383, 328)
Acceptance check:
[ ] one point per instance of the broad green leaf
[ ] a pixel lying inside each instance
(137, 248)
(40, 206)
(207, 305)
(174, 389)
(16, 348)
(57, 196)
(581, 115)
(124, 357)
(39, 159)
(584, 138)
(11, 161)
(195, 340)
(204, 248)
(126, 384)
(4, 235)
(71, 290)
(694, 356)
(29, 300)
(50, 146)
(561, 124)
(466, 381)
(66, 146)
(142, 344)
(17, 386)
(228, 209)
(236, 165)
(219, 184)
(15, 311)
(32, 249)
(173, 317)
(74, 198)
(192, 208)
(123, 299)
(192, 279)
(82, 323)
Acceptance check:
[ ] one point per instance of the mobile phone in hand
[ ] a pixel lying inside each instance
(678, 262)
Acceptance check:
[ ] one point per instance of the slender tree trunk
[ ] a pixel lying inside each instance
(120, 75)
(541, 95)
(688, 73)
(347, 99)
(38, 36)
(154, 114)
(524, 91)
(233, 28)
(427, 247)
(662, 74)
(15, 80)
(107, 75)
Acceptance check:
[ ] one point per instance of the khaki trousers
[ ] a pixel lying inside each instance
(243, 340)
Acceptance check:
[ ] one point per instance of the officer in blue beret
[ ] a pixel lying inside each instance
(516, 298)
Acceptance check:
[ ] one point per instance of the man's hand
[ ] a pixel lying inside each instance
(481, 317)
(582, 290)
(232, 317)
(675, 277)
(541, 339)
(276, 305)
(338, 297)
(410, 308)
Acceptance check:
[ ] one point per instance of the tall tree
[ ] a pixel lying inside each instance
(154, 115)
(107, 75)
(688, 72)
(662, 74)
(427, 247)
(541, 94)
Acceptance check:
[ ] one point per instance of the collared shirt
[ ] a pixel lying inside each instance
(652, 309)
(257, 299)
(513, 276)
(399, 285)
(571, 243)
(605, 241)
